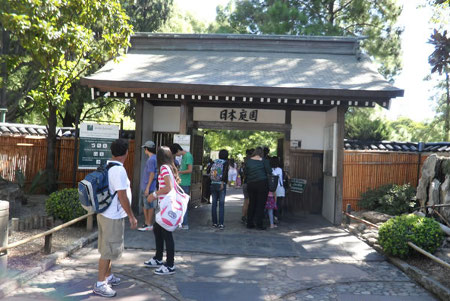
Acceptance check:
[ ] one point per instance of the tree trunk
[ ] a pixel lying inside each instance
(51, 150)
(447, 111)
(4, 69)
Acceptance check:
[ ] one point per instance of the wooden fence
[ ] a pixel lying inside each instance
(29, 155)
(365, 170)
(362, 169)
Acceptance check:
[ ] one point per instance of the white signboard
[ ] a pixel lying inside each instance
(183, 140)
(93, 130)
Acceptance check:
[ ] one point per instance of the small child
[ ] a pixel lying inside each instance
(271, 204)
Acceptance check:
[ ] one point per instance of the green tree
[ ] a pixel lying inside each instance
(405, 129)
(148, 15)
(237, 142)
(440, 62)
(362, 124)
(375, 19)
(64, 38)
(17, 76)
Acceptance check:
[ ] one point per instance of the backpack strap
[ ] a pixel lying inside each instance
(107, 167)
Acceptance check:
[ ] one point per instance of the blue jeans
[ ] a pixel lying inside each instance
(186, 189)
(218, 195)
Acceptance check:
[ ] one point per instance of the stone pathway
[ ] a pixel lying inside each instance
(305, 258)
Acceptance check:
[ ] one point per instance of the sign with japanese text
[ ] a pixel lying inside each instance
(95, 143)
(245, 115)
(239, 115)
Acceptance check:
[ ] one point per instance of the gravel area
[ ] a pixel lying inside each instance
(30, 254)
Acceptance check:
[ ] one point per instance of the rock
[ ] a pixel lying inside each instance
(433, 194)
(375, 217)
(428, 172)
(445, 197)
(361, 227)
(14, 195)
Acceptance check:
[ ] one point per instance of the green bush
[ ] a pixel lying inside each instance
(391, 199)
(64, 205)
(424, 232)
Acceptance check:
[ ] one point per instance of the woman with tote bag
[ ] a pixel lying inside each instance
(167, 179)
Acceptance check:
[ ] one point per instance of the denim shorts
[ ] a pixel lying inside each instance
(144, 202)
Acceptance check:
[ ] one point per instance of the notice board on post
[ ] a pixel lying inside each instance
(95, 144)
(298, 185)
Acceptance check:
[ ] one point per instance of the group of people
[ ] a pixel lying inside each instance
(160, 176)
(257, 169)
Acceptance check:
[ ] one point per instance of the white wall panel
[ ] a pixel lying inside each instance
(308, 127)
(166, 119)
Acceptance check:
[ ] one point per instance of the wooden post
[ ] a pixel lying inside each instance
(137, 154)
(349, 211)
(48, 244)
(15, 224)
(4, 216)
(287, 140)
(184, 112)
(36, 222)
(90, 223)
(49, 222)
(341, 110)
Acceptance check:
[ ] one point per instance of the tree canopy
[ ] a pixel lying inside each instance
(63, 39)
(237, 142)
(374, 19)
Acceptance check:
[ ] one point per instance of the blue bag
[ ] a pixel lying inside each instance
(93, 191)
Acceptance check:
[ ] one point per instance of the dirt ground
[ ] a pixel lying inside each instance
(433, 269)
(30, 254)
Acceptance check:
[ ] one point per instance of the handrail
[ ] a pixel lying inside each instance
(415, 247)
(431, 256)
(47, 233)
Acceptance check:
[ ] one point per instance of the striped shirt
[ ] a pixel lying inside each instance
(164, 171)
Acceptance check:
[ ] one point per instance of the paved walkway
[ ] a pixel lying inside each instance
(305, 258)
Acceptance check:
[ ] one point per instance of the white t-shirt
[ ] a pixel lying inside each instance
(280, 189)
(118, 180)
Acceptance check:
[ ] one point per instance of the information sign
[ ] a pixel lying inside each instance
(183, 140)
(298, 185)
(95, 143)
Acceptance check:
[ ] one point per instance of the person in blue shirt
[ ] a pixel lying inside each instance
(148, 184)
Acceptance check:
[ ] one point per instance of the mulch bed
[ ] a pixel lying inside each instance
(30, 254)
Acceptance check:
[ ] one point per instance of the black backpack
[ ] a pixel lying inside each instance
(273, 182)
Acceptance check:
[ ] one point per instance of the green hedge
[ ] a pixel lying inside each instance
(64, 205)
(391, 199)
(395, 234)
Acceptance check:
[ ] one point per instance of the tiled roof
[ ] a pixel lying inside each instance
(17, 129)
(270, 62)
(397, 146)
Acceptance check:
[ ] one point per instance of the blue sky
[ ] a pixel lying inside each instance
(415, 21)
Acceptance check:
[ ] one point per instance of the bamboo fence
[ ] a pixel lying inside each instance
(365, 170)
(29, 155)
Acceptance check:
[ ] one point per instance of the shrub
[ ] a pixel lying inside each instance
(424, 232)
(64, 205)
(391, 199)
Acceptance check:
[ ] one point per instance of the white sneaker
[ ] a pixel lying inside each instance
(113, 281)
(145, 228)
(104, 290)
(165, 270)
(153, 263)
